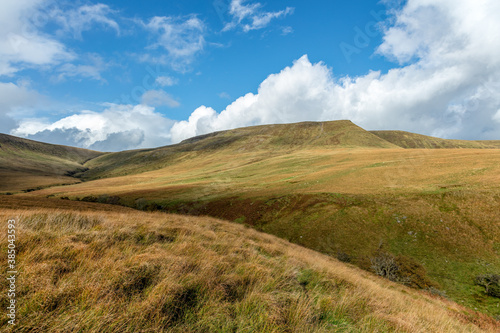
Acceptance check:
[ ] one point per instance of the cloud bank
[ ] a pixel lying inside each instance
(118, 127)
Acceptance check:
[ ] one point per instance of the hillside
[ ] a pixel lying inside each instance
(412, 140)
(436, 207)
(268, 140)
(104, 271)
(27, 164)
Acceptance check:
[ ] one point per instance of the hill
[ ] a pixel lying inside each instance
(412, 140)
(27, 164)
(105, 271)
(267, 139)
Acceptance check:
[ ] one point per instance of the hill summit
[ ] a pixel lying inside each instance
(339, 133)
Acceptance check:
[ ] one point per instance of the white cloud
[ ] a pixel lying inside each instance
(16, 98)
(157, 98)
(21, 44)
(496, 117)
(92, 68)
(448, 87)
(298, 93)
(202, 120)
(166, 81)
(118, 127)
(286, 30)
(251, 16)
(24, 45)
(76, 21)
(182, 38)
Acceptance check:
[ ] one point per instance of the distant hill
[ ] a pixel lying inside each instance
(340, 133)
(268, 139)
(41, 164)
(27, 164)
(412, 140)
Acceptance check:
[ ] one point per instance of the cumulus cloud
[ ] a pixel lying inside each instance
(118, 127)
(182, 38)
(298, 93)
(21, 43)
(157, 98)
(251, 16)
(446, 85)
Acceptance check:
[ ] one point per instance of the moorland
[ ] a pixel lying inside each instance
(296, 227)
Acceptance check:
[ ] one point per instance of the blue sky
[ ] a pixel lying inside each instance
(113, 75)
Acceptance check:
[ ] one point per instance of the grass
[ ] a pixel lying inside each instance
(412, 140)
(260, 141)
(432, 206)
(30, 165)
(123, 271)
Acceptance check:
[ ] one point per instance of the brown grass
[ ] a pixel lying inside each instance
(353, 171)
(342, 200)
(128, 271)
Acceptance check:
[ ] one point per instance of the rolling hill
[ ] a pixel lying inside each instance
(260, 140)
(332, 187)
(27, 164)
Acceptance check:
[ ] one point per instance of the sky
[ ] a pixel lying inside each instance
(117, 75)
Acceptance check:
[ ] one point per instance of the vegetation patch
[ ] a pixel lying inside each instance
(490, 283)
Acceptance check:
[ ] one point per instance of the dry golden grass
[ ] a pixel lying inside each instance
(27, 164)
(412, 140)
(342, 200)
(126, 271)
(353, 171)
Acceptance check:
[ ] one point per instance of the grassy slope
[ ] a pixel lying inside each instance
(269, 140)
(125, 271)
(412, 140)
(26, 164)
(438, 207)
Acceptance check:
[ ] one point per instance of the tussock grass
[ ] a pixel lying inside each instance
(150, 272)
